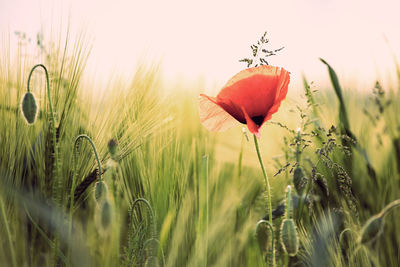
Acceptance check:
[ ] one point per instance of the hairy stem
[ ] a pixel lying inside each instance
(268, 193)
(57, 183)
(71, 206)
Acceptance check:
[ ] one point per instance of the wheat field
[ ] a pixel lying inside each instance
(145, 184)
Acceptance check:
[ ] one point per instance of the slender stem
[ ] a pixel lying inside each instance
(239, 173)
(343, 232)
(53, 125)
(288, 211)
(154, 230)
(57, 179)
(71, 206)
(268, 193)
(52, 244)
(390, 206)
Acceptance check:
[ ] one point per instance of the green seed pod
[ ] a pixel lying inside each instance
(112, 147)
(289, 237)
(151, 262)
(29, 108)
(100, 191)
(372, 229)
(298, 177)
(262, 237)
(106, 215)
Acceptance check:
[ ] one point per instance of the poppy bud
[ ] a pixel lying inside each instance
(29, 108)
(112, 147)
(298, 177)
(106, 215)
(289, 237)
(263, 236)
(100, 191)
(372, 229)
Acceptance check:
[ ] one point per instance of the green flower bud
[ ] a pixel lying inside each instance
(112, 147)
(100, 191)
(263, 236)
(289, 237)
(106, 215)
(372, 229)
(29, 108)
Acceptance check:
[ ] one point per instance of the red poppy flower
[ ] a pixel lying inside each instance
(250, 97)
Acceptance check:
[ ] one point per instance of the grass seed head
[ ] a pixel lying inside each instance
(289, 237)
(372, 229)
(29, 108)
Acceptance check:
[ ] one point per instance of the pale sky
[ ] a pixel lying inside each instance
(207, 38)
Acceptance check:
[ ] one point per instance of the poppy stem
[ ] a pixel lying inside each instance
(74, 174)
(57, 184)
(268, 193)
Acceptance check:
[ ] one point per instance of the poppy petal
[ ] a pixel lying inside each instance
(266, 70)
(212, 116)
(284, 79)
(255, 89)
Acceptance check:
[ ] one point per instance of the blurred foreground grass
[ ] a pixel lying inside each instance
(206, 202)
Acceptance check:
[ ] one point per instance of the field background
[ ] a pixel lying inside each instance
(175, 194)
(206, 190)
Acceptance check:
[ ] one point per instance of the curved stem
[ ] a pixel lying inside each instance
(57, 180)
(390, 206)
(343, 232)
(82, 136)
(151, 212)
(57, 186)
(268, 192)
